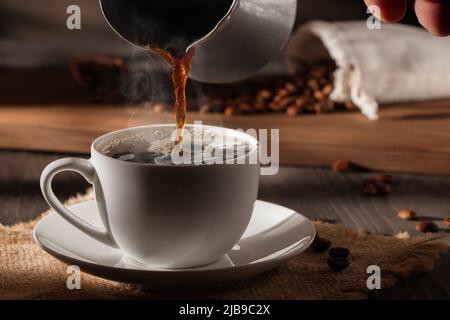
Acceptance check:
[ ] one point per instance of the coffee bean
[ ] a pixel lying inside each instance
(447, 222)
(338, 252)
(277, 106)
(313, 84)
(283, 93)
(327, 89)
(383, 177)
(290, 87)
(427, 226)
(317, 107)
(310, 84)
(301, 102)
(205, 107)
(292, 110)
(277, 98)
(273, 106)
(159, 107)
(308, 93)
(323, 81)
(300, 81)
(370, 188)
(324, 106)
(341, 166)
(350, 106)
(320, 245)
(230, 111)
(264, 95)
(318, 95)
(338, 264)
(383, 189)
(407, 214)
(374, 187)
(318, 71)
(246, 107)
(260, 106)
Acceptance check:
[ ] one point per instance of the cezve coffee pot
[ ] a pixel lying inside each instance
(232, 39)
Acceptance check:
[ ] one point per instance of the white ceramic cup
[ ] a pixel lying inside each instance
(166, 216)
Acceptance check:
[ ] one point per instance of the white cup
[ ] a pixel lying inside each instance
(166, 216)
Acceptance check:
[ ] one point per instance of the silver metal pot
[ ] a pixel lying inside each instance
(229, 45)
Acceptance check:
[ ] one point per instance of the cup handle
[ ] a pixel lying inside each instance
(87, 170)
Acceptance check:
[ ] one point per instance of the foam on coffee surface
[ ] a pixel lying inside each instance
(205, 146)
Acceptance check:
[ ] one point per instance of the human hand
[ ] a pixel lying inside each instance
(434, 15)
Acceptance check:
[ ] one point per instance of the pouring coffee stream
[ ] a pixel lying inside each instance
(232, 39)
(180, 74)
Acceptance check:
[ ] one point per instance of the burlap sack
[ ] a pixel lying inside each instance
(27, 272)
(399, 63)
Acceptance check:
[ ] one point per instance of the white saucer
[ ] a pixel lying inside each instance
(275, 234)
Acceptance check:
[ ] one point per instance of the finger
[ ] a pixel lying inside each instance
(390, 10)
(434, 15)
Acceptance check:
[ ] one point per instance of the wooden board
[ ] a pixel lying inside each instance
(316, 193)
(408, 138)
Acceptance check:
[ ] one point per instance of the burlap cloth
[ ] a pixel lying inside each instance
(27, 272)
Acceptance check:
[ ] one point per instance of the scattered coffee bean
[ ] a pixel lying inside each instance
(447, 222)
(283, 93)
(338, 252)
(292, 110)
(275, 107)
(343, 166)
(277, 98)
(383, 177)
(327, 89)
(313, 84)
(322, 107)
(263, 95)
(383, 189)
(206, 107)
(309, 89)
(349, 106)
(246, 107)
(301, 102)
(260, 106)
(427, 226)
(290, 87)
(318, 95)
(159, 107)
(407, 214)
(338, 264)
(285, 102)
(229, 111)
(372, 187)
(320, 245)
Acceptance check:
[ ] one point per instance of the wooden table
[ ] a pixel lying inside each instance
(59, 117)
(316, 193)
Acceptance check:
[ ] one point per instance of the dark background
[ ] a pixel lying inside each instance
(34, 33)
